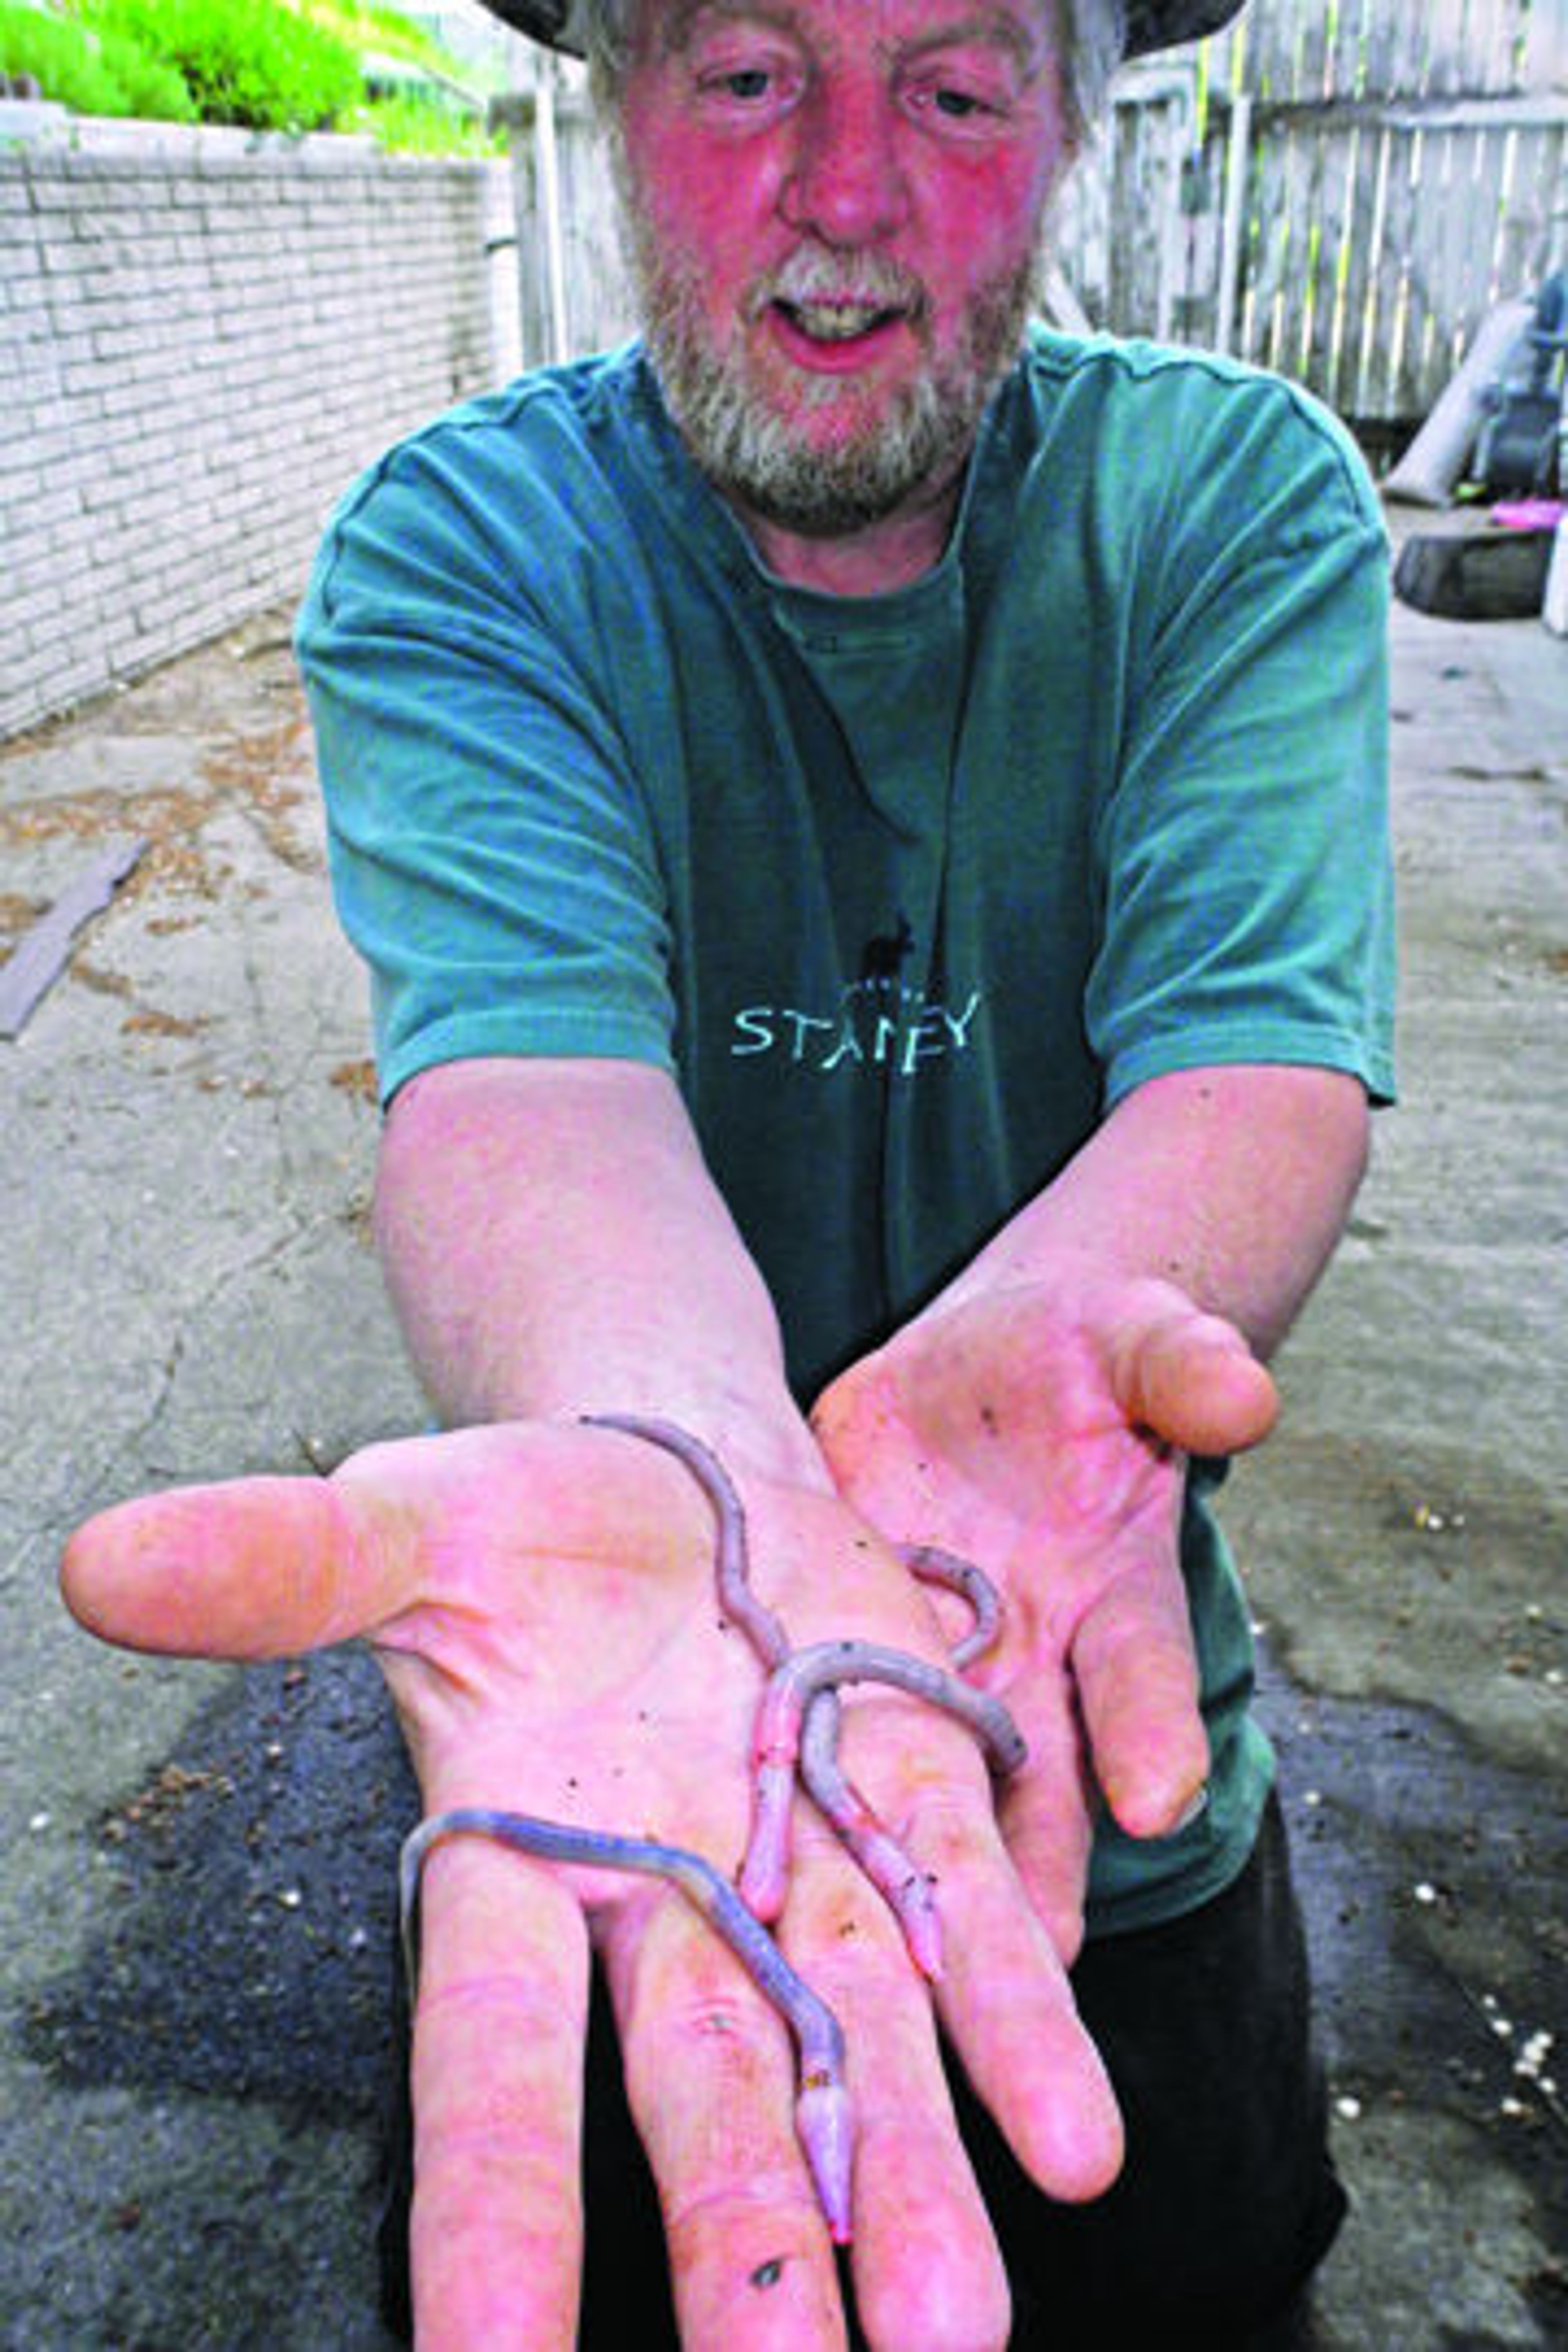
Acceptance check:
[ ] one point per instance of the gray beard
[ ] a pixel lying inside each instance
(907, 456)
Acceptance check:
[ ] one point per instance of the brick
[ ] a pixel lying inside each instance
(214, 388)
(26, 666)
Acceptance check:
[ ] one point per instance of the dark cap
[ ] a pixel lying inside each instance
(1151, 23)
(1166, 23)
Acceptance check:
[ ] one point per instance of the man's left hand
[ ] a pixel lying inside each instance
(1041, 1430)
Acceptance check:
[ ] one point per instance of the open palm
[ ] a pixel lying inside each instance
(541, 1601)
(1041, 1432)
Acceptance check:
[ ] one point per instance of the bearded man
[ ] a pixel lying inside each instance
(867, 823)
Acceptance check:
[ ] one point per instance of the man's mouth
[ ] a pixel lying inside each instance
(843, 321)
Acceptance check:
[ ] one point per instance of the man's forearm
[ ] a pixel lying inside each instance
(1232, 1184)
(552, 1242)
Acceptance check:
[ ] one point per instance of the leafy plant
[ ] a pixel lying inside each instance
(255, 63)
(414, 126)
(264, 64)
(384, 29)
(92, 74)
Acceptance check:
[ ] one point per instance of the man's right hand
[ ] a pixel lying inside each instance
(541, 1599)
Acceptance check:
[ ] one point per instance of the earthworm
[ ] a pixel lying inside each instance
(824, 2117)
(794, 1690)
(798, 1723)
(906, 1888)
(903, 1885)
(764, 1872)
(732, 1567)
(934, 1566)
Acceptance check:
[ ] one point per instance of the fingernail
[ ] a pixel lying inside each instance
(1192, 1810)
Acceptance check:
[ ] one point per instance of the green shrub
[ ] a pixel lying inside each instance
(262, 64)
(416, 126)
(384, 29)
(258, 63)
(157, 92)
(60, 58)
(91, 74)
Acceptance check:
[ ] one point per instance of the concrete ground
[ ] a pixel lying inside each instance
(196, 1865)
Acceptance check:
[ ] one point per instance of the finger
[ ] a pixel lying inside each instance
(258, 1567)
(712, 2083)
(497, 2076)
(1137, 1690)
(927, 2267)
(1192, 1379)
(1046, 1809)
(1008, 2009)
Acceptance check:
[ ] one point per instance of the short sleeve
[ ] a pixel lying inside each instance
(1243, 854)
(491, 858)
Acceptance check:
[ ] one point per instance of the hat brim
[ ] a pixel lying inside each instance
(557, 23)
(1166, 23)
(1151, 23)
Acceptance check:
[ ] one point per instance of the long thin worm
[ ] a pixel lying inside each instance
(798, 1688)
(823, 2118)
(732, 1566)
(822, 1665)
(905, 1888)
(764, 1872)
(797, 1723)
(934, 1566)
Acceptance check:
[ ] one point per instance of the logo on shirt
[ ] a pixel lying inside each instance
(879, 1024)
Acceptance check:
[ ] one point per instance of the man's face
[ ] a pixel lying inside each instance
(836, 208)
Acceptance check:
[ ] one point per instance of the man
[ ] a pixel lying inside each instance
(869, 845)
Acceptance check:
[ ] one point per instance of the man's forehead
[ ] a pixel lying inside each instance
(1019, 25)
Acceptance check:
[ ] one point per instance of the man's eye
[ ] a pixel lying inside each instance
(747, 83)
(959, 105)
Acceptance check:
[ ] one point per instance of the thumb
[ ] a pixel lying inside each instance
(1192, 1380)
(254, 1569)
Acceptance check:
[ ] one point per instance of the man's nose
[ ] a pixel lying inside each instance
(846, 182)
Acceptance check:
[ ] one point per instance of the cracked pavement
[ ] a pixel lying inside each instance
(196, 1863)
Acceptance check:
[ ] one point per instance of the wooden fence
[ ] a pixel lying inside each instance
(1338, 189)
(1340, 192)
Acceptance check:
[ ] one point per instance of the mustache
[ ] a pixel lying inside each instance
(813, 274)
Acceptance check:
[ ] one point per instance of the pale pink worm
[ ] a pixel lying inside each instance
(824, 2116)
(765, 1872)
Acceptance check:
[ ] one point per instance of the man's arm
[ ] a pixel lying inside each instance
(1233, 1184)
(1036, 1418)
(555, 1245)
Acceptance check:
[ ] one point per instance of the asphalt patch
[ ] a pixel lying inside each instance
(249, 1905)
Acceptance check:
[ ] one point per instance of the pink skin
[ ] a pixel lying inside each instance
(924, 137)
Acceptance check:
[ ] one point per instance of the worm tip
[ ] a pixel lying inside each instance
(916, 1907)
(825, 2120)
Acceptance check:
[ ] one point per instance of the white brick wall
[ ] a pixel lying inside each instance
(203, 337)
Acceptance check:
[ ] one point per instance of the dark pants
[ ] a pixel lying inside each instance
(1227, 2200)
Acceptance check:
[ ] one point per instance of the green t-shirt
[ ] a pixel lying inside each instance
(906, 890)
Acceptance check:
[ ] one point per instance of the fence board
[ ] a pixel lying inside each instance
(1384, 62)
(1544, 51)
(1533, 234)
(1313, 64)
(1374, 296)
(1346, 75)
(1337, 181)
(1358, 263)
